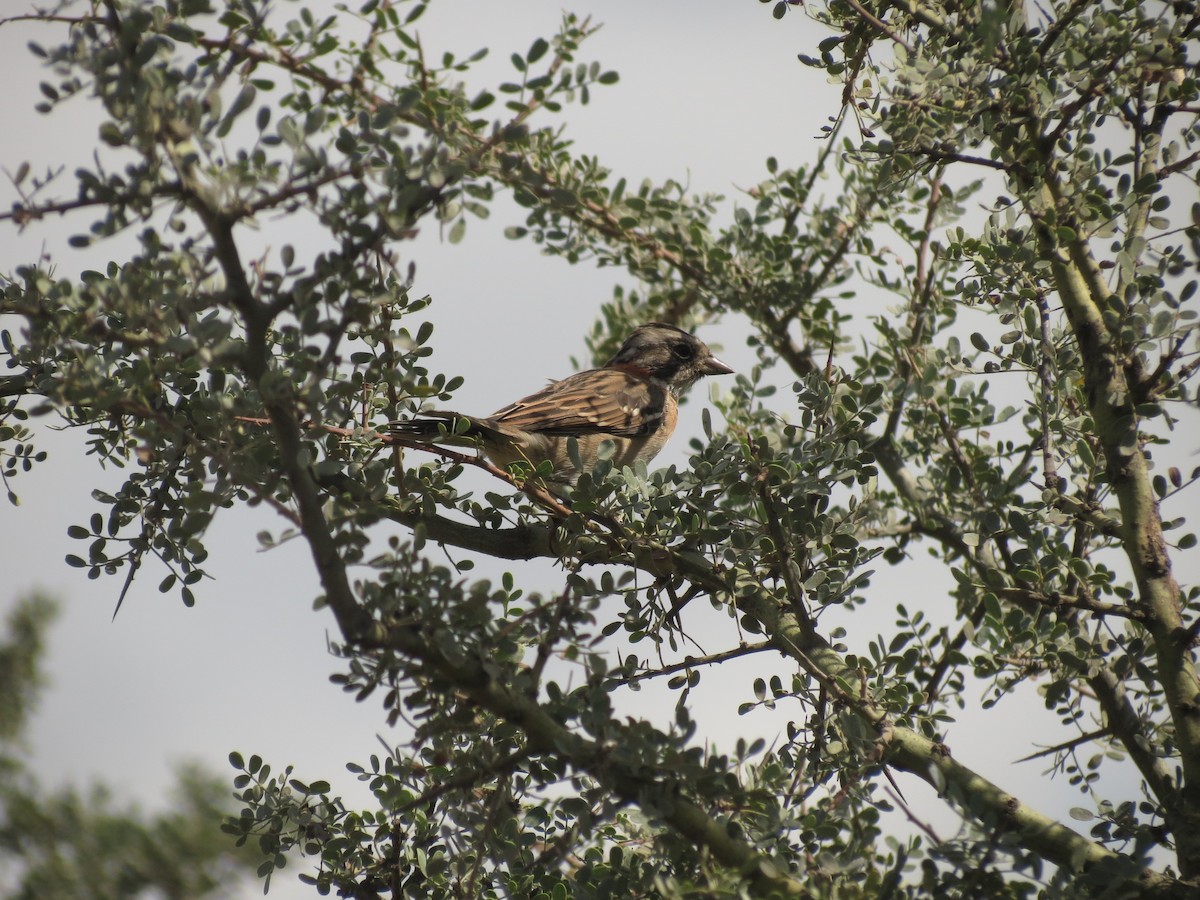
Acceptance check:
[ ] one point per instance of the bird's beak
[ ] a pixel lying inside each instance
(713, 366)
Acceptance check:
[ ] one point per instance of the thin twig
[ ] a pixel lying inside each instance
(1046, 383)
(1068, 745)
(898, 799)
(878, 24)
(693, 662)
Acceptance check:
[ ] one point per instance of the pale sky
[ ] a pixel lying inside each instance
(708, 90)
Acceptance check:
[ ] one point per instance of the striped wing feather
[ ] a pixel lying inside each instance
(605, 400)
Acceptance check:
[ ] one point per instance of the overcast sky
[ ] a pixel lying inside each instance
(708, 90)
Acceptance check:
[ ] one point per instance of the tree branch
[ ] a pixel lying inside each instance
(1130, 729)
(931, 761)
(1109, 391)
(659, 795)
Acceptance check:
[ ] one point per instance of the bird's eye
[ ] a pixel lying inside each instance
(684, 351)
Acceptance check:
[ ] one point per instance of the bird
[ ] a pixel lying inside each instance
(630, 401)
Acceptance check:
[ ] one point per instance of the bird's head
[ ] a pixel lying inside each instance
(668, 354)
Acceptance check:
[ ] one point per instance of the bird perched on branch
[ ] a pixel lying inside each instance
(631, 401)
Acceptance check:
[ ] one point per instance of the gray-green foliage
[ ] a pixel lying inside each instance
(1000, 416)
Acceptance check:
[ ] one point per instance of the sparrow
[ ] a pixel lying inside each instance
(631, 401)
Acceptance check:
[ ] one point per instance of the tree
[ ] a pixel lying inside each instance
(81, 843)
(236, 375)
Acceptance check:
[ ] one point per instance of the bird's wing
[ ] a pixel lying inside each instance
(607, 401)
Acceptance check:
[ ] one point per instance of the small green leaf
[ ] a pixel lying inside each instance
(537, 51)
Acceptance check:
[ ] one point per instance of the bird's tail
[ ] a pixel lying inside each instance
(439, 427)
